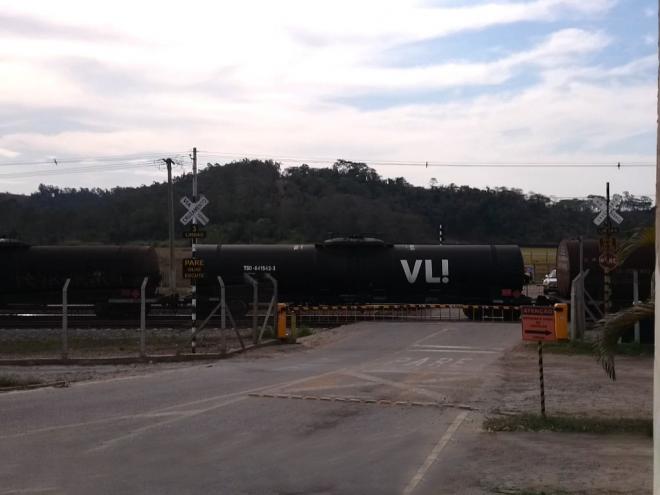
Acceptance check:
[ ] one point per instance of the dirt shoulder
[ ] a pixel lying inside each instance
(574, 385)
(559, 463)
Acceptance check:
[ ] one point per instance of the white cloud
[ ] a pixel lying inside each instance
(8, 153)
(260, 78)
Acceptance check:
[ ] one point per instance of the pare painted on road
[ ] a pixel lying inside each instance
(408, 363)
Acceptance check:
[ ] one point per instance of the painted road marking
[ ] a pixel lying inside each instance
(444, 440)
(432, 346)
(444, 330)
(405, 365)
(184, 415)
(237, 397)
(404, 386)
(473, 351)
(112, 419)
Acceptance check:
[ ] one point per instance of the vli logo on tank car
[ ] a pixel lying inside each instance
(411, 275)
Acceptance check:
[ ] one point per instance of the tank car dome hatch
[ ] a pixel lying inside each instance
(353, 241)
(7, 243)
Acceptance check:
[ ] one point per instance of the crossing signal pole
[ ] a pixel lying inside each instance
(607, 282)
(193, 339)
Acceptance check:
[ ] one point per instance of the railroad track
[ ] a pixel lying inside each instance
(162, 317)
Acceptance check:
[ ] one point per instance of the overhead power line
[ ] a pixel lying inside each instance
(77, 170)
(93, 159)
(109, 163)
(429, 164)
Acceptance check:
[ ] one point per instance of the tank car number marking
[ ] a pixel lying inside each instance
(259, 268)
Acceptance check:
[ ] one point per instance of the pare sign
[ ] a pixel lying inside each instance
(193, 268)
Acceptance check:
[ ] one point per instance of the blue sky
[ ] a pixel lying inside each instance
(383, 81)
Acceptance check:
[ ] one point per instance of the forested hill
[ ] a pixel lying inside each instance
(257, 202)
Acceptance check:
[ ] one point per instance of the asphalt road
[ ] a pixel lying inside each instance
(380, 411)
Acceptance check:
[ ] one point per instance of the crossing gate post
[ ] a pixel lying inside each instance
(65, 320)
(281, 322)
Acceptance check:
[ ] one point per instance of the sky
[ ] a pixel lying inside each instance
(487, 93)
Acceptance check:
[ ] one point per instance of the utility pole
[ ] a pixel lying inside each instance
(170, 206)
(656, 365)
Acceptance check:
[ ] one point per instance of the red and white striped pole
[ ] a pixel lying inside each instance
(193, 339)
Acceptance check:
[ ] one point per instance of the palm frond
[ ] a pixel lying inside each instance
(642, 238)
(613, 326)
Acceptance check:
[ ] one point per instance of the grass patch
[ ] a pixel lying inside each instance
(569, 424)
(304, 331)
(587, 348)
(7, 381)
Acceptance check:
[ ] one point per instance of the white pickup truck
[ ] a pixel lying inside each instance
(550, 282)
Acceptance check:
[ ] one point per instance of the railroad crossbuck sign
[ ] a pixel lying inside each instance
(538, 323)
(601, 204)
(194, 210)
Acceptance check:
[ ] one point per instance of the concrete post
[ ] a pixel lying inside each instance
(578, 307)
(255, 306)
(294, 328)
(223, 316)
(272, 308)
(574, 311)
(636, 301)
(65, 320)
(273, 280)
(143, 317)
